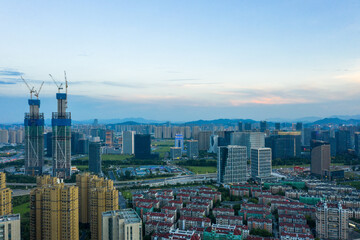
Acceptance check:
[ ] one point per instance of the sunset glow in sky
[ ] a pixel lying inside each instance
(183, 60)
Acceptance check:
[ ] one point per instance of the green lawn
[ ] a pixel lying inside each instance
(290, 166)
(163, 146)
(22, 209)
(82, 167)
(127, 194)
(201, 170)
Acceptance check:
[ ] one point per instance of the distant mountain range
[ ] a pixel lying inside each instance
(339, 119)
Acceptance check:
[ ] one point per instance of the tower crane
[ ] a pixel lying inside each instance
(59, 86)
(32, 90)
(38, 91)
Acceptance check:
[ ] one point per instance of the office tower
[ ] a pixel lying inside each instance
(4, 136)
(332, 220)
(232, 164)
(195, 132)
(95, 132)
(96, 122)
(109, 136)
(247, 127)
(121, 224)
(95, 156)
(96, 195)
(248, 139)
(10, 227)
(342, 141)
(142, 144)
(128, 142)
(261, 163)
(12, 136)
(34, 139)
(204, 140)
(61, 129)
(192, 149)
(179, 141)
(5, 196)
(83, 146)
(277, 126)
(320, 158)
(333, 146)
(240, 126)
(175, 152)
(306, 136)
(357, 142)
(75, 136)
(19, 136)
(299, 126)
(227, 137)
(54, 211)
(284, 145)
(158, 134)
(263, 126)
(48, 140)
(213, 144)
(102, 134)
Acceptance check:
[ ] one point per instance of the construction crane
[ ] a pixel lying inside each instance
(66, 83)
(59, 86)
(38, 91)
(32, 90)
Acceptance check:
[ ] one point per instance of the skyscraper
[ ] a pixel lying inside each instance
(232, 164)
(179, 141)
(247, 126)
(263, 126)
(109, 136)
(213, 144)
(240, 126)
(128, 142)
(121, 225)
(248, 139)
(357, 143)
(261, 163)
(320, 158)
(61, 126)
(34, 139)
(192, 149)
(342, 141)
(95, 156)
(142, 146)
(54, 211)
(285, 145)
(5, 196)
(277, 126)
(299, 126)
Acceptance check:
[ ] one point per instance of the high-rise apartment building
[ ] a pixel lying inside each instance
(34, 139)
(12, 136)
(299, 126)
(142, 144)
(10, 227)
(232, 164)
(54, 210)
(332, 220)
(261, 163)
(61, 130)
(248, 139)
(124, 224)
(320, 158)
(175, 152)
(158, 133)
(192, 149)
(247, 126)
(204, 140)
(195, 132)
(109, 137)
(96, 195)
(240, 126)
(4, 136)
(5, 196)
(95, 156)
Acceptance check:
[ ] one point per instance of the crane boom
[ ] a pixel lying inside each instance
(58, 86)
(32, 90)
(38, 91)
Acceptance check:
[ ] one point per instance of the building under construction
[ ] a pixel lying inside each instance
(34, 135)
(61, 138)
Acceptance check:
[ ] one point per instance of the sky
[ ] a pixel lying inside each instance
(182, 60)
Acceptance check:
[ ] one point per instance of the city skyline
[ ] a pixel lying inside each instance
(183, 61)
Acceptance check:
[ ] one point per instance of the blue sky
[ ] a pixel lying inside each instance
(183, 60)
